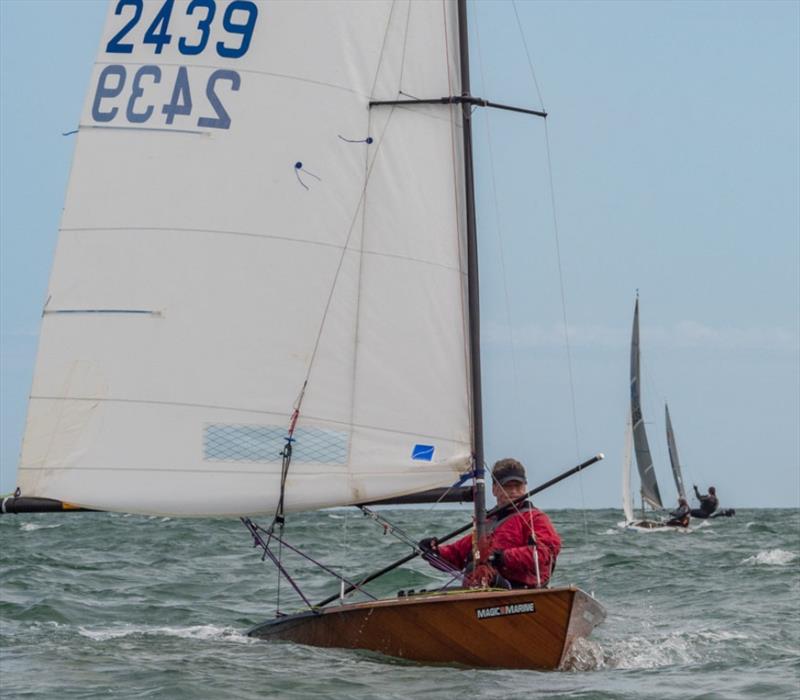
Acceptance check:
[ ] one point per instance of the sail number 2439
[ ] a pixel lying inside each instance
(192, 94)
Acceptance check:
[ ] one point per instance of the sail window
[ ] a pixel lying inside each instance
(265, 443)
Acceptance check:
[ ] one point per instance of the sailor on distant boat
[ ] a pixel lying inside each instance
(709, 506)
(680, 516)
(708, 503)
(523, 542)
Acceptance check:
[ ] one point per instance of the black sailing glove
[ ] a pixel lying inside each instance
(428, 545)
(496, 558)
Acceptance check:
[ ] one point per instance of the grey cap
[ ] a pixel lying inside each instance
(508, 470)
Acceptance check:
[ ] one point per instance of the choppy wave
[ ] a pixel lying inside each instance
(32, 527)
(163, 606)
(771, 557)
(647, 652)
(208, 632)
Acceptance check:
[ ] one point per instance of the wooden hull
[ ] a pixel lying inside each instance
(647, 525)
(654, 525)
(499, 629)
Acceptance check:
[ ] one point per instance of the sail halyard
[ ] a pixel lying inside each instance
(644, 461)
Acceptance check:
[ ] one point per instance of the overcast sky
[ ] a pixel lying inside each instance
(674, 140)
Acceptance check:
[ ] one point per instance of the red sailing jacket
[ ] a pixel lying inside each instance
(513, 537)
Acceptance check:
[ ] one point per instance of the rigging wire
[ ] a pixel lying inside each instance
(432, 557)
(560, 270)
(554, 210)
(563, 302)
(258, 541)
(499, 228)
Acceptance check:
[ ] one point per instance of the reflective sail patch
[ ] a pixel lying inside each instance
(423, 453)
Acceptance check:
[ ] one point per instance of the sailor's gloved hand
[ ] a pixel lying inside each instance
(428, 545)
(496, 558)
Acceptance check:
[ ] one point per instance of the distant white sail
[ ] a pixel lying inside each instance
(627, 501)
(644, 461)
(673, 455)
(238, 220)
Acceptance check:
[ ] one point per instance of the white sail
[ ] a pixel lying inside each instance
(627, 501)
(228, 234)
(627, 458)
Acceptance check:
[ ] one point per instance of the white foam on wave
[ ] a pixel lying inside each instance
(635, 653)
(203, 632)
(644, 652)
(771, 557)
(30, 527)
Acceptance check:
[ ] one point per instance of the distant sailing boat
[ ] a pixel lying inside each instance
(676, 472)
(264, 297)
(636, 442)
(673, 455)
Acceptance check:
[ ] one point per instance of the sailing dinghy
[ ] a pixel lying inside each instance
(636, 443)
(264, 298)
(674, 460)
(676, 471)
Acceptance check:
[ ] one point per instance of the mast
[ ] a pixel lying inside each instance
(472, 277)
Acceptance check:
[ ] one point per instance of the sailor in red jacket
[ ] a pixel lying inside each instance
(523, 543)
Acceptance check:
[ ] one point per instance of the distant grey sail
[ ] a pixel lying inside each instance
(644, 461)
(673, 456)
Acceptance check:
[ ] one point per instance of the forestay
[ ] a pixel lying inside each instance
(238, 221)
(644, 461)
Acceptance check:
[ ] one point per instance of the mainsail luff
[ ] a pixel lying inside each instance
(644, 461)
(200, 267)
(673, 455)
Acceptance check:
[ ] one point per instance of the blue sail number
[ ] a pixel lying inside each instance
(203, 26)
(157, 32)
(114, 46)
(239, 19)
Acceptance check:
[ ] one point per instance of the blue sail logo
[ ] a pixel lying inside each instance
(423, 453)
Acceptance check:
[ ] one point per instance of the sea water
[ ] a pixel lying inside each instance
(96, 605)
